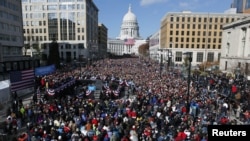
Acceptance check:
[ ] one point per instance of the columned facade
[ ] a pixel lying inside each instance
(235, 52)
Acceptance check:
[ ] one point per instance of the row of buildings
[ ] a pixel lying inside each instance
(29, 26)
(215, 38)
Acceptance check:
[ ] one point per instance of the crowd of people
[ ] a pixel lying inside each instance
(155, 107)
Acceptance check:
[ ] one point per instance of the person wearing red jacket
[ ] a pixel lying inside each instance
(234, 89)
(224, 120)
(94, 121)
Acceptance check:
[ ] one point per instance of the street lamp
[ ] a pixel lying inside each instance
(189, 57)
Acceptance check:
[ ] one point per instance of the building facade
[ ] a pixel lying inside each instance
(242, 6)
(72, 23)
(235, 51)
(102, 40)
(11, 38)
(129, 38)
(198, 33)
(154, 46)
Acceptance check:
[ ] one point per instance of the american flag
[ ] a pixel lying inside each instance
(20, 80)
(129, 41)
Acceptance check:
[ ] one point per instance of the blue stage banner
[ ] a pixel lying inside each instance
(41, 71)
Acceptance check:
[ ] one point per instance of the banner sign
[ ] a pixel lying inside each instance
(41, 71)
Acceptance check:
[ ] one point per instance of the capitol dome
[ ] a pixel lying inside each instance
(129, 16)
(129, 27)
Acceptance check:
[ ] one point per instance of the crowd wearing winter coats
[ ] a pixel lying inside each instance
(154, 109)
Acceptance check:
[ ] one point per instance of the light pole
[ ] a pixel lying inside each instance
(189, 57)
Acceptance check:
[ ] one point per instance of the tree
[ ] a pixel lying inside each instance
(54, 57)
(144, 49)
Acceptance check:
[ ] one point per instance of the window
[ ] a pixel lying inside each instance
(215, 26)
(171, 32)
(210, 20)
(177, 26)
(199, 19)
(221, 20)
(216, 20)
(210, 26)
(199, 57)
(182, 33)
(171, 19)
(209, 33)
(214, 40)
(193, 40)
(210, 57)
(183, 19)
(177, 32)
(178, 56)
(171, 39)
(177, 19)
(199, 26)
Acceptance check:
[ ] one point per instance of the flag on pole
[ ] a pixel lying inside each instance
(20, 80)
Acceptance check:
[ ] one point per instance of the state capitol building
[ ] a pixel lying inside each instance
(129, 38)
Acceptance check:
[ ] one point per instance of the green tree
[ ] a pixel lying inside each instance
(54, 57)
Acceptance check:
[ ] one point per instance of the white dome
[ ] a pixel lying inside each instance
(129, 16)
